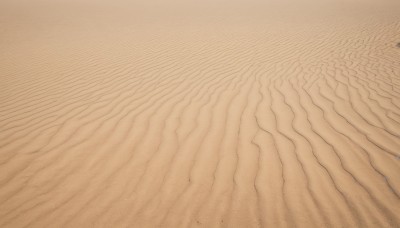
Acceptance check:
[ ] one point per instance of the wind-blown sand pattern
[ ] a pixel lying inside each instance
(199, 113)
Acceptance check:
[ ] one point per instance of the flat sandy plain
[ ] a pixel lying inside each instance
(199, 113)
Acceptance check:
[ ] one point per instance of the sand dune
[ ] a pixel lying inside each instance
(199, 113)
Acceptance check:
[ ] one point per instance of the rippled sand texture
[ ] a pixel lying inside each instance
(199, 113)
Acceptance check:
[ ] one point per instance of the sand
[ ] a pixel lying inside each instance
(199, 113)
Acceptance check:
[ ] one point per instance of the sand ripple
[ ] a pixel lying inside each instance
(212, 114)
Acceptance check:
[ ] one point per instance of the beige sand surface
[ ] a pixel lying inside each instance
(258, 113)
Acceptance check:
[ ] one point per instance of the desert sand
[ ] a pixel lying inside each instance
(258, 113)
